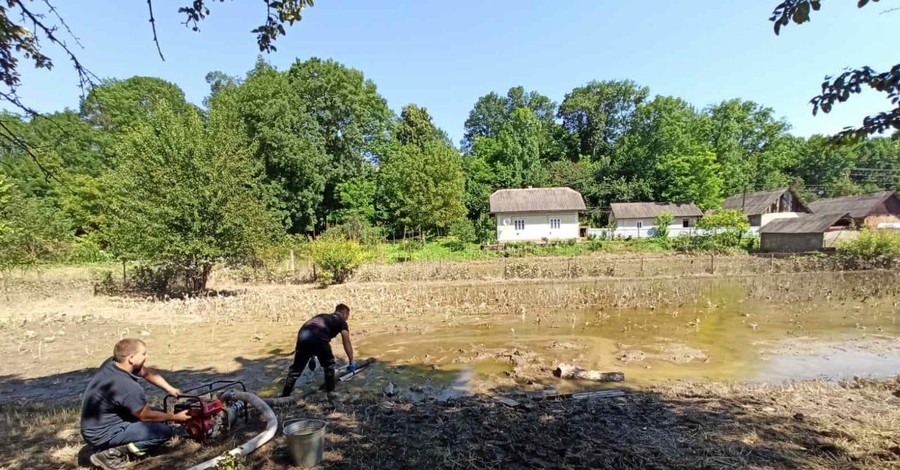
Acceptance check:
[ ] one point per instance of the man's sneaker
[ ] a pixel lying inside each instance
(115, 458)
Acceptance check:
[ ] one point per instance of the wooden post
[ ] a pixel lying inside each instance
(642, 265)
(293, 270)
(772, 262)
(712, 263)
(124, 278)
(569, 268)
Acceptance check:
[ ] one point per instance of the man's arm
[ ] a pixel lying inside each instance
(151, 376)
(148, 415)
(348, 347)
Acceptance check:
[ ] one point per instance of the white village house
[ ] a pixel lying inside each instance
(536, 214)
(638, 219)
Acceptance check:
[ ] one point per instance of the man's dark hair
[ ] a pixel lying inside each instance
(127, 347)
(342, 308)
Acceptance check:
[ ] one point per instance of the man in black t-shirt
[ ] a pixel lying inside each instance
(115, 418)
(313, 340)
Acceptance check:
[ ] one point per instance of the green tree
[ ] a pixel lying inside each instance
(492, 112)
(210, 208)
(421, 184)
(117, 105)
(692, 176)
(357, 199)
(598, 113)
(287, 140)
(839, 89)
(515, 155)
(31, 230)
(751, 146)
(353, 120)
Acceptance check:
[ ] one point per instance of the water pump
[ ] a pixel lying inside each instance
(210, 417)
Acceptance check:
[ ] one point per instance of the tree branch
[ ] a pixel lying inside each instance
(153, 26)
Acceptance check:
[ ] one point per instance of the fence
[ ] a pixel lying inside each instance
(650, 232)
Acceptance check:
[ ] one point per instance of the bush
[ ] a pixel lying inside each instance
(336, 259)
(463, 231)
(872, 249)
(358, 230)
(86, 250)
(663, 220)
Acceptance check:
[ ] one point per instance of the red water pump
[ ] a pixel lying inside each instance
(210, 417)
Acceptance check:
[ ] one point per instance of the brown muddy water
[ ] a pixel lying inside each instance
(449, 339)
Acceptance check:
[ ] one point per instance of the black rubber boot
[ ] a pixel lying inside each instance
(114, 458)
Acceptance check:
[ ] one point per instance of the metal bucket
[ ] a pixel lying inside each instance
(305, 440)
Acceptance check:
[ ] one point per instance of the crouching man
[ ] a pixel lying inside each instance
(115, 418)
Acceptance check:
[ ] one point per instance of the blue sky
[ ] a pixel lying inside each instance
(443, 55)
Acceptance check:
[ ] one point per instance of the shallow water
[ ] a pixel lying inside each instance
(733, 330)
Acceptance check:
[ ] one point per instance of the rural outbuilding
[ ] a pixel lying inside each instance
(764, 206)
(638, 219)
(866, 210)
(806, 233)
(536, 214)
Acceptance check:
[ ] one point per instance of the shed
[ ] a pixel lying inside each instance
(536, 214)
(868, 209)
(762, 207)
(801, 234)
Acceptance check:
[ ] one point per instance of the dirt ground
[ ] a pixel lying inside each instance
(690, 349)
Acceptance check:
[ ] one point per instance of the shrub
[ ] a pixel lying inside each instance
(663, 220)
(336, 259)
(873, 248)
(463, 231)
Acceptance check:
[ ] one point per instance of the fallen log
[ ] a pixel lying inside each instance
(568, 371)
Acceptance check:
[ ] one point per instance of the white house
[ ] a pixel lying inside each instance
(536, 214)
(638, 219)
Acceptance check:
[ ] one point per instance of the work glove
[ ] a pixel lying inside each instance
(351, 368)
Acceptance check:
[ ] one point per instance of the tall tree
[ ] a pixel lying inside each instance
(116, 105)
(421, 181)
(353, 119)
(287, 140)
(691, 176)
(492, 112)
(599, 113)
(751, 146)
(515, 155)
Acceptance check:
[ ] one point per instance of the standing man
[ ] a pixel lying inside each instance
(115, 418)
(313, 340)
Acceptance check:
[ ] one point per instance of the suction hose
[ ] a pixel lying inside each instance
(248, 447)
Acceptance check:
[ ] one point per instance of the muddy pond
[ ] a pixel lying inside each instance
(494, 337)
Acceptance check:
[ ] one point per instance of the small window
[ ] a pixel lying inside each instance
(685, 223)
(640, 224)
(554, 224)
(520, 224)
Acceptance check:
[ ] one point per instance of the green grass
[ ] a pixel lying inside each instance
(447, 249)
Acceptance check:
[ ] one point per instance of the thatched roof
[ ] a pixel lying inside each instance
(858, 207)
(649, 210)
(536, 200)
(759, 202)
(805, 223)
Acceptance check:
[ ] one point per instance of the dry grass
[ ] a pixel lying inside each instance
(809, 425)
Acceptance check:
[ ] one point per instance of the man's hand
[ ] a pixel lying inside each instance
(181, 416)
(351, 368)
(174, 392)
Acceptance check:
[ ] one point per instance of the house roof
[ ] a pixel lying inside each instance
(649, 210)
(536, 200)
(857, 206)
(806, 223)
(759, 202)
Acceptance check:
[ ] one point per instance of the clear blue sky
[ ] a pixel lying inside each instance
(445, 54)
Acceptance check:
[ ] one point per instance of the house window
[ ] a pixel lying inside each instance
(520, 224)
(640, 224)
(554, 224)
(685, 223)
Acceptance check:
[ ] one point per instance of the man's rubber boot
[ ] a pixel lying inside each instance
(115, 458)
